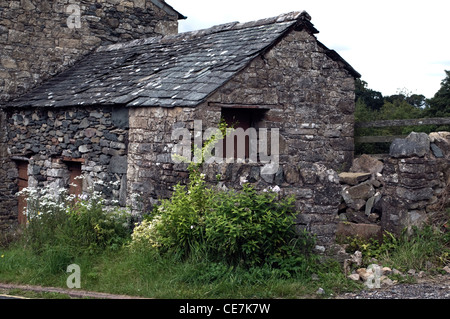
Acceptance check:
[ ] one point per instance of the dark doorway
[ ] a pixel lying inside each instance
(75, 182)
(22, 182)
(244, 118)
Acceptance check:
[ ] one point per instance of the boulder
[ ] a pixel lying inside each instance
(416, 144)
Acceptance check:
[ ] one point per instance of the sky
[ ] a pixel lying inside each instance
(396, 45)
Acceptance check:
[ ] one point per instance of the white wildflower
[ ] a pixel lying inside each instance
(276, 189)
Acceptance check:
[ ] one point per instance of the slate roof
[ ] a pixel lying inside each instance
(178, 70)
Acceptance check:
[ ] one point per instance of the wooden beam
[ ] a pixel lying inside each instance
(242, 106)
(377, 139)
(414, 122)
(73, 160)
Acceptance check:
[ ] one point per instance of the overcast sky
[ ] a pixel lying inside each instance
(394, 44)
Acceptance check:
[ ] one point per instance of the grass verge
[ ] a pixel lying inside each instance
(149, 275)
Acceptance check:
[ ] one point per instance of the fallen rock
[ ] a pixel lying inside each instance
(416, 144)
(320, 291)
(386, 281)
(371, 202)
(442, 141)
(446, 269)
(396, 272)
(354, 277)
(353, 178)
(355, 258)
(386, 270)
(367, 164)
(362, 191)
(364, 273)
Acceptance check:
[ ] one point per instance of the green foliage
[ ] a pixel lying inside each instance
(61, 222)
(439, 105)
(372, 106)
(236, 227)
(418, 248)
(372, 248)
(250, 227)
(91, 226)
(373, 99)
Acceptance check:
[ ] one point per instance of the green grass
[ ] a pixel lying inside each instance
(149, 275)
(145, 273)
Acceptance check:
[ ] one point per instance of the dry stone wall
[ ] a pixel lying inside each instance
(50, 139)
(406, 188)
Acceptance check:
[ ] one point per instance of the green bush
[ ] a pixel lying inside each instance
(236, 227)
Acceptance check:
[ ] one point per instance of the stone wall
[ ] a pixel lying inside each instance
(36, 41)
(151, 171)
(406, 188)
(8, 202)
(51, 139)
(417, 180)
(304, 93)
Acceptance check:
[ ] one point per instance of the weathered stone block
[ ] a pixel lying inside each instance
(118, 164)
(362, 191)
(365, 231)
(353, 178)
(366, 163)
(416, 144)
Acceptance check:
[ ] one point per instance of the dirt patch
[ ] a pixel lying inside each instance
(73, 293)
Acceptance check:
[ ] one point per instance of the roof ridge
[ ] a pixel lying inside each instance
(236, 25)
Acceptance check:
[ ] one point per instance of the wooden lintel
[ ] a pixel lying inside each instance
(243, 106)
(20, 158)
(70, 159)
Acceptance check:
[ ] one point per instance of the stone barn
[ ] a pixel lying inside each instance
(116, 114)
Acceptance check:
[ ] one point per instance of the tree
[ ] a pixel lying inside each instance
(415, 100)
(373, 99)
(439, 105)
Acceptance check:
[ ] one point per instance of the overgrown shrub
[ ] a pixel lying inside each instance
(244, 227)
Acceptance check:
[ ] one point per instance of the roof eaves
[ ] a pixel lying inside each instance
(336, 57)
(168, 9)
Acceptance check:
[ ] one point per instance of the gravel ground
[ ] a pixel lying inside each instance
(437, 287)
